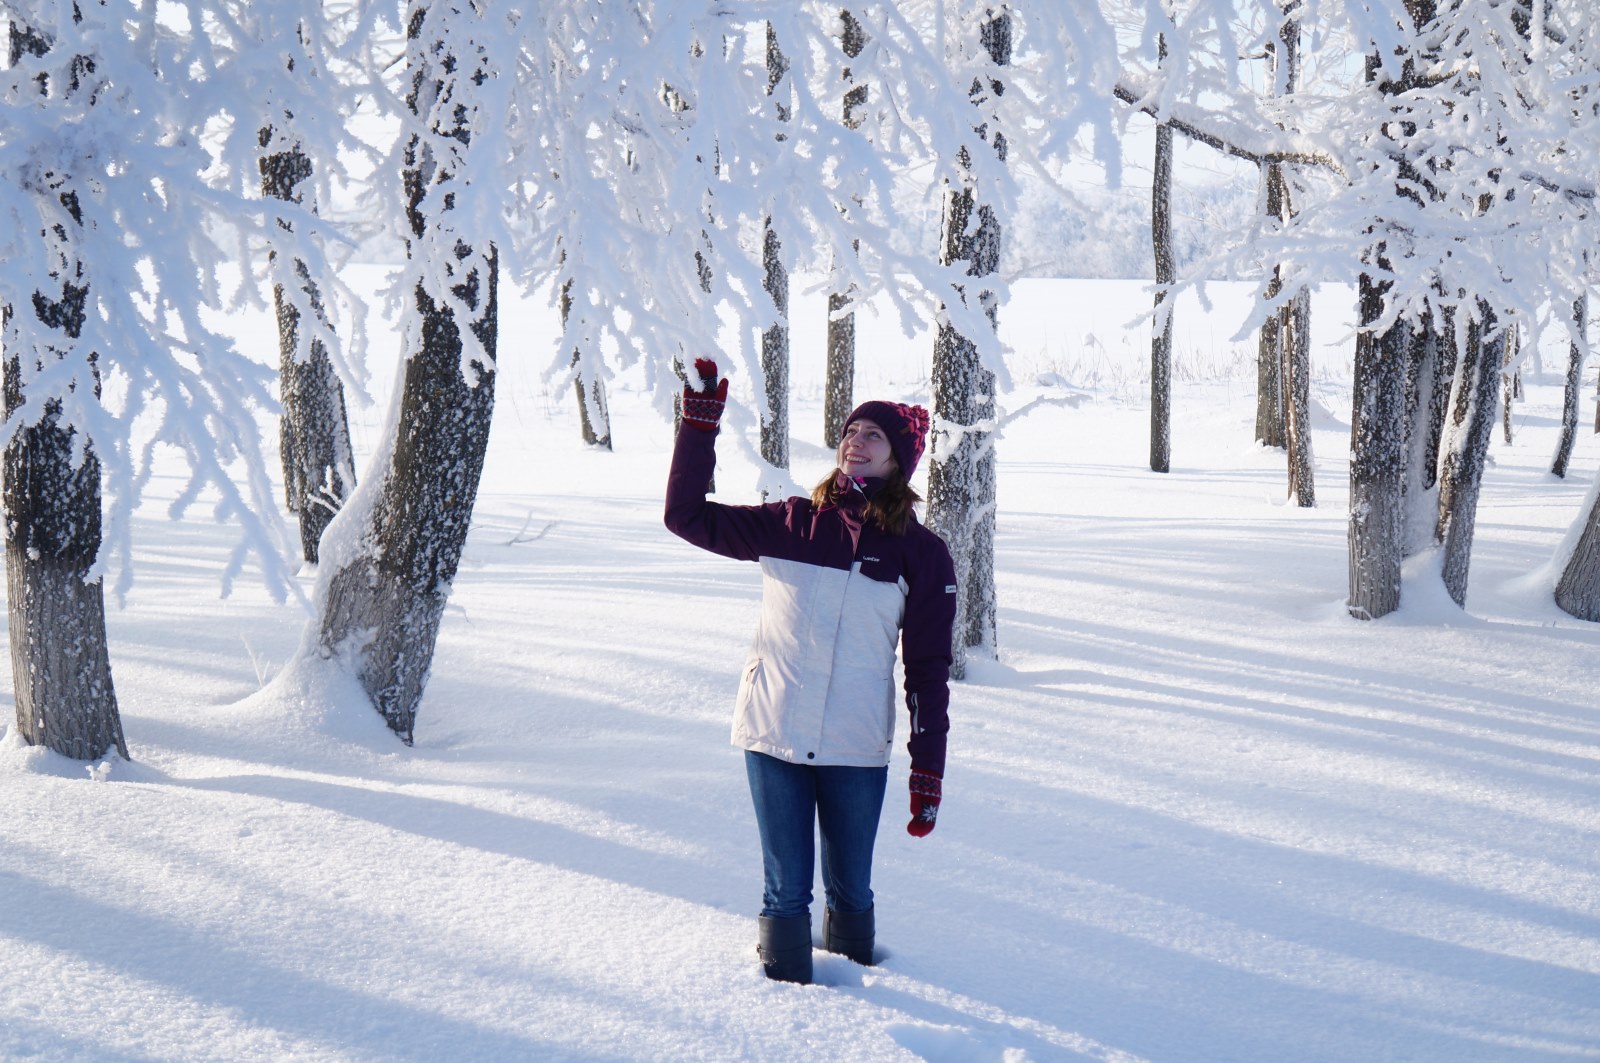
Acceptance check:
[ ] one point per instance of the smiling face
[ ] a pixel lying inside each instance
(864, 450)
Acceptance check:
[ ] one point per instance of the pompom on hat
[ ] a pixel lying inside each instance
(906, 427)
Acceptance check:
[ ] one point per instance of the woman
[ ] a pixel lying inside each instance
(844, 573)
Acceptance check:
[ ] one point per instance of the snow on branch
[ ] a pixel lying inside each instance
(129, 146)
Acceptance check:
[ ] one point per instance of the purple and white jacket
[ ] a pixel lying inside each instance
(818, 686)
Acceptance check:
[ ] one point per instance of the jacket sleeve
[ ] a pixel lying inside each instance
(925, 646)
(740, 532)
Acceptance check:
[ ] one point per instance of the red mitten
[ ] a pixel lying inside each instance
(702, 407)
(925, 793)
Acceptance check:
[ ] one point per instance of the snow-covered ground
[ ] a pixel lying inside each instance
(1193, 813)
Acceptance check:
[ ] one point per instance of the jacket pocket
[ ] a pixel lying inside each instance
(861, 724)
(756, 713)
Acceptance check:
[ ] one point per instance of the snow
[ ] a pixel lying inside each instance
(1193, 813)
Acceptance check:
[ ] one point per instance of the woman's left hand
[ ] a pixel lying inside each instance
(926, 789)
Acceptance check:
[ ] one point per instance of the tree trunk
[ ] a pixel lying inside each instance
(1377, 460)
(1161, 338)
(384, 605)
(1513, 377)
(961, 475)
(60, 659)
(1271, 414)
(1283, 359)
(775, 356)
(1384, 386)
(1294, 331)
(1430, 368)
(314, 431)
(775, 340)
(1271, 354)
(1570, 394)
(1472, 416)
(961, 488)
(1443, 361)
(1578, 588)
(594, 418)
(839, 386)
(678, 103)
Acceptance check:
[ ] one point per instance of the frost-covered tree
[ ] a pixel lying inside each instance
(60, 660)
(1499, 77)
(961, 479)
(1286, 334)
(606, 142)
(1582, 44)
(388, 576)
(1283, 348)
(127, 189)
(314, 430)
(1572, 391)
(1285, 342)
(1470, 427)
(1455, 187)
(839, 383)
(1166, 273)
(775, 282)
(1198, 58)
(594, 417)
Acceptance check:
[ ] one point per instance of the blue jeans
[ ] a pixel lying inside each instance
(792, 802)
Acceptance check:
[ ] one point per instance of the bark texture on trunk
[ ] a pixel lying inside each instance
(386, 605)
(838, 397)
(60, 658)
(383, 606)
(1294, 329)
(961, 475)
(1571, 393)
(1377, 461)
(594, 417)
(1276, 374)
(1429, 371)
(1512, 391)
(1385, 370)
(1472, 417)
(1578, 589)
(1166, 273)
(314, 430)
(775, 280)
(775, 356)
(1270, 412)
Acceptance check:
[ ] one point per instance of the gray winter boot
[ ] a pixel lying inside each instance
(850, 934)
(785, 948)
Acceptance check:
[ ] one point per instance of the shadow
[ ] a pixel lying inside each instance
(1173, 940)
(488, 831)
(288, 1001)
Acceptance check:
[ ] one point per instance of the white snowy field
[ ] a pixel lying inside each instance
(1193, 813)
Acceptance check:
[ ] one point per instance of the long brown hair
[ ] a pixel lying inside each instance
(889, 507)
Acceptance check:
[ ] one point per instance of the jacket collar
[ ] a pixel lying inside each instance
(866, 486)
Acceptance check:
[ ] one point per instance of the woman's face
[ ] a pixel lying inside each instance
(864, 450)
